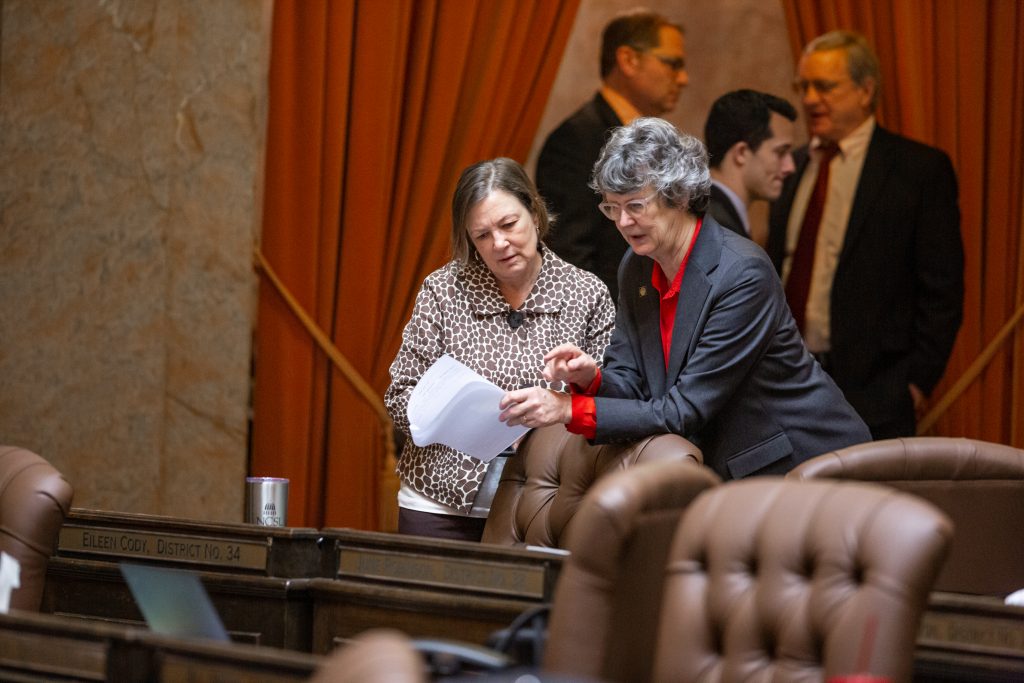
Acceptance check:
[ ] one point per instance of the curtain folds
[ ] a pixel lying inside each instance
(953, 76)
(375, 107)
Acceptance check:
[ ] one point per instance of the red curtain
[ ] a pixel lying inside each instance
(953, 76)
(375, 107)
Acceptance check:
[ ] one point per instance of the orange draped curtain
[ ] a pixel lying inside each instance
(953, 76)
(375, 108)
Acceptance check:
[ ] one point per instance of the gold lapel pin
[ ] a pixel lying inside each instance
(643, 291)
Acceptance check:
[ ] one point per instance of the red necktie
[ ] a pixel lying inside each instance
(799, 283)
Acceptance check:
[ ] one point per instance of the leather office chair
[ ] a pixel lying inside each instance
(544, 483)
(34, 500)
(605, 609)
(979, 485)
(779, 580)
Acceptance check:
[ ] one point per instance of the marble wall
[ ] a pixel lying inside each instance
(132, 134)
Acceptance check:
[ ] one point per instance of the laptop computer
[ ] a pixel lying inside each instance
(173, 602)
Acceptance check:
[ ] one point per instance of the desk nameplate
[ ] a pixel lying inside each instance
(448, 572)
(124, 543)
(972, 633)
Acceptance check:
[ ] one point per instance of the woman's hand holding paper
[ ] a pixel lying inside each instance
(535, 407)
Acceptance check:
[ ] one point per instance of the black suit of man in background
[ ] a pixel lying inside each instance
(643, 70)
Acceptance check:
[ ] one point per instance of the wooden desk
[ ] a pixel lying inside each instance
(287, 552)
(426, 587)
(294, 553)
(43, 647)
(256, 576)
(969, 638)
(261, 579)
(255, 609)
(445, 565)
(343, 609)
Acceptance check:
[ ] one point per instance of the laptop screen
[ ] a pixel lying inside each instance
(173, 602)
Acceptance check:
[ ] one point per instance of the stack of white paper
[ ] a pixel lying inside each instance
(10, 578)
(455, 406)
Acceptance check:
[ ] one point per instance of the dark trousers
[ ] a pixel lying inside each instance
(903, 421)
(457, 527)
(902, 426)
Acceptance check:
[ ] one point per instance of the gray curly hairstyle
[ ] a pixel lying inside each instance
(651, 152)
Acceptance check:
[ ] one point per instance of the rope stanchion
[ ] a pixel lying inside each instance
(387, 518)
(971, 374)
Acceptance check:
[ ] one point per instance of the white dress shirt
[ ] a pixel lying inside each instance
(844, 175)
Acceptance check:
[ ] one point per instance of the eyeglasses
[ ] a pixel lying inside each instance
(677, 64)
(820, 86)
(636, 208)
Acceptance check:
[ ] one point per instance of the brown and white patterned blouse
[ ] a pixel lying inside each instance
(459, 311)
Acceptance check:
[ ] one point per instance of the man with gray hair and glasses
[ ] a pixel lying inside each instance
(866, 237)
(643, 70)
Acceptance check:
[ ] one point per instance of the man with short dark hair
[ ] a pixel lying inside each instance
(643, 70)
(866, 236)
(749, 136)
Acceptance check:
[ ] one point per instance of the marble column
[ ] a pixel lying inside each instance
(132, 136)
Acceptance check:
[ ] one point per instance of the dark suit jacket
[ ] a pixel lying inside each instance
(581, 234)
(723, 211)
(740, 383)
(897, 297)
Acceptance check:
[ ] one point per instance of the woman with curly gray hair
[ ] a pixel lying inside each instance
(704, 343)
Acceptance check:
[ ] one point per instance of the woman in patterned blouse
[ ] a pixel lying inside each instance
(501, 302)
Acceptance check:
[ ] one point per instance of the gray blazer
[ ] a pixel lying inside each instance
(740, 383)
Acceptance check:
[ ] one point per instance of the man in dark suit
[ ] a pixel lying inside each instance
(749, 136)
(877, 286)
(643, 70)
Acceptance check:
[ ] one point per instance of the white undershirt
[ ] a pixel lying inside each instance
(410, 499)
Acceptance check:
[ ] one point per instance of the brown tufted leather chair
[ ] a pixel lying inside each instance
(34, 500)
(606, 604)
(545, 481)
(778, 580)
(979, 485)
